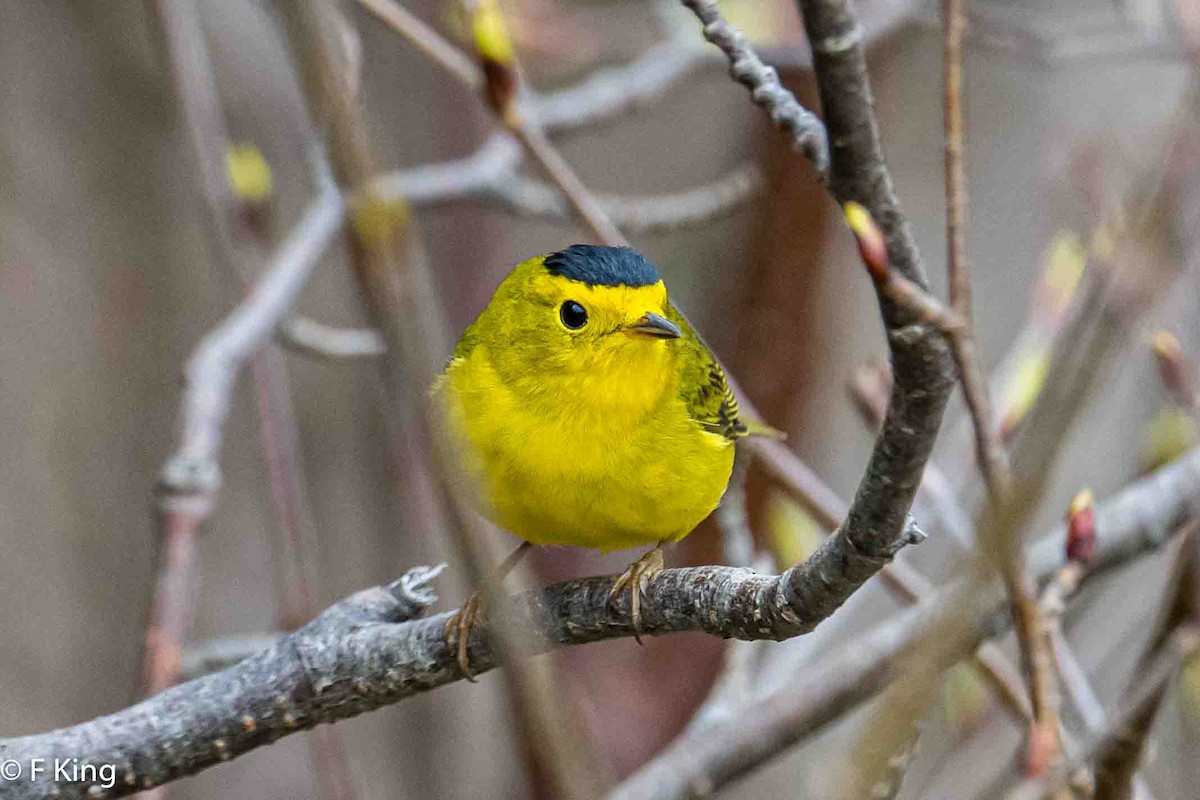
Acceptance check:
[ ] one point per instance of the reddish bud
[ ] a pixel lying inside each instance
(500, 86)
(1081, 527)
(872, 247)
(496, 54)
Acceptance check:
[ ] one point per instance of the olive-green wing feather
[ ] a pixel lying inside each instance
(465, 344)
(702, 384)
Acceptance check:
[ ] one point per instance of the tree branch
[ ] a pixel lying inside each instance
(873, 530)
(317, 340)
(1008, 556)
(214, 718)
(801, 125)
(491, 175)
(1138, 520)
(359, 655)
(192, 473)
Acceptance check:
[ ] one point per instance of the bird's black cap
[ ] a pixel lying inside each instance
(603, 266)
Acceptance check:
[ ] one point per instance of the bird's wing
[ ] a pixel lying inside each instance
(702, 385)
(465, 344)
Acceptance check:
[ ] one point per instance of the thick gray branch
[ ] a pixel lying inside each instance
(308, 677)
(876, 524)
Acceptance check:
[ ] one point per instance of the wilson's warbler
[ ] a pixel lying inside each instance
(589, 413)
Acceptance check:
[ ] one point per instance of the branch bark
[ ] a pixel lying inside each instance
(874, 527)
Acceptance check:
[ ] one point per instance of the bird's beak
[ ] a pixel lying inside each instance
(655, 326)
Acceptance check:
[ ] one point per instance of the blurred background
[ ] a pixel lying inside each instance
(107, 283)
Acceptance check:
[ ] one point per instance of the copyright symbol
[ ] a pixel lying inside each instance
(10, 770)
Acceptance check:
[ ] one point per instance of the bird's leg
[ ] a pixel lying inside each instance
(457, 633)
(635, 579)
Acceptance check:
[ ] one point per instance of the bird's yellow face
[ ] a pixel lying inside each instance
(592, 346)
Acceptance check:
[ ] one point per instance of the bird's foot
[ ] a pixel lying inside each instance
(635, 578)
(457, 633)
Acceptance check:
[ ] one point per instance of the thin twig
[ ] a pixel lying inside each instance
(602, 95)
(491, 175)
(584, 204)
(957, 269)
(190, 479)
(428, 41)
(990, 452)
(318, 340)
(191, 476)
(801, 125)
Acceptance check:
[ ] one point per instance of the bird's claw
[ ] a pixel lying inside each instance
(457, 633)
(635, 578)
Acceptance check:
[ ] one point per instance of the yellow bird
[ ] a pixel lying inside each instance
(589, 413)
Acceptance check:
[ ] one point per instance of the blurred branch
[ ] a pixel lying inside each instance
(427, 40)
(610, 92)
(191, 476)
(318, 340)
(783, 467)
(1011, 33)
(1175, 637)
(601, 96)
(1074, 678)
(1118, 752)
(1138, 520)
(358, 656)
(1128, 278)
(639, 214)
(491, 175)
(179, 523)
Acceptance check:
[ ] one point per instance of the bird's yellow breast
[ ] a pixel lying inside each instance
(607, 459)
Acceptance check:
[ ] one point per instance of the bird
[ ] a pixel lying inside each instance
(587, 411)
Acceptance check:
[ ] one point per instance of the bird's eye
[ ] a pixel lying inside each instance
(573, 315)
